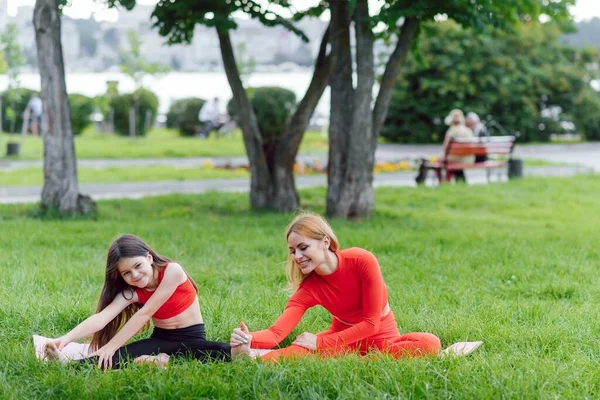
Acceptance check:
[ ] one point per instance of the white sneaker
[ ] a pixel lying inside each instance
(460, 349)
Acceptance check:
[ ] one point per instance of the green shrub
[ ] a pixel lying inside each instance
(14, 103)
(183, 115)
(82, 108)
(586, 116)
(272, 106)
(121, 104)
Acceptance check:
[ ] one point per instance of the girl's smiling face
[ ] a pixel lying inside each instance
(137, 271)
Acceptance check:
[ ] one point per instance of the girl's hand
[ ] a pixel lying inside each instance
(307, 340)
(240, 336)
(105, 357)
(59, 343)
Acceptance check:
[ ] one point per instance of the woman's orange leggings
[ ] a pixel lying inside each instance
(388, 340)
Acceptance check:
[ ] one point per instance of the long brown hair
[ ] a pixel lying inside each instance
(311, 226)
(124, 246)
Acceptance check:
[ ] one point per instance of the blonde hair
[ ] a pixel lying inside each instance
(312, 226)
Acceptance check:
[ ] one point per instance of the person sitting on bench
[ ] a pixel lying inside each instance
(457, 129)
(479, 130)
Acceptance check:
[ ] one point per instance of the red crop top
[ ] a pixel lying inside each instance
(183, 297)
(355, 292)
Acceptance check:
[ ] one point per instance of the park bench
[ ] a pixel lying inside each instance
(493, 147)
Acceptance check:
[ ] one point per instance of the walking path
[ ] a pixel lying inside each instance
(135, 190)
(587, 154)
(583, 157)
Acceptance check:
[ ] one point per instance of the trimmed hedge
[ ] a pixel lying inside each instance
(81, 108)
(272, 106)
(12, 120)
(183, 115)
(121, 105)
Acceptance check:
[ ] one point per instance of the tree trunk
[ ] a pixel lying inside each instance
(350, 192)
(342, 101)
(61, 188)
(285, 197)
(351, 183)
(260, 188)
(272, 169)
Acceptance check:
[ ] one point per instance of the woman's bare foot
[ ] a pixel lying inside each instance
(161, 360)
(53, 353)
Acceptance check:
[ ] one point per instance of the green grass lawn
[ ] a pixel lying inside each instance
(158, 143)
(35, 176)
(513, 264)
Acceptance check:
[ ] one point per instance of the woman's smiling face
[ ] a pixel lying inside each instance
(307, 253)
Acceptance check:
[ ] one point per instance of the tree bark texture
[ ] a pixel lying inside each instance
(342, 101)
(61, 188)
(350, 192)
(354, 125)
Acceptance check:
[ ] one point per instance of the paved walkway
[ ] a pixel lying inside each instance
(582, 157)
(134, 190)
(587, 154)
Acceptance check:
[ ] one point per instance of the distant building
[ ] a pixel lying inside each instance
(97, 46)
(3, 13)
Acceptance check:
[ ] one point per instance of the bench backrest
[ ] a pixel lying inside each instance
(500, 145)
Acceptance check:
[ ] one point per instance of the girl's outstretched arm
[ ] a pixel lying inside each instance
(95, 322)
(174, 276)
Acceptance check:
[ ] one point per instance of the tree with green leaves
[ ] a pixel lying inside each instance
(272, 178)
(61, 186)
(526, 80)
(135, 65)
(356, 117)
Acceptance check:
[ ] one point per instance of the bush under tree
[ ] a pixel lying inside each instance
(147, 101)
(82, 108)
(14, 103)
(273, 107)
(183, 115)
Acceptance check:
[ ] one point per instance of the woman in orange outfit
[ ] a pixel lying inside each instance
(348, 283)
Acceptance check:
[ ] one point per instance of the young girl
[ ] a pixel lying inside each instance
(348, 283)
(141, 285)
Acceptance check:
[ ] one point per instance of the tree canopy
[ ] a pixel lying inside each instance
(526, 80)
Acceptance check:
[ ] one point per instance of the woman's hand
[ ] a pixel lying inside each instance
(240, 336)
(306, 339)
(105, 357)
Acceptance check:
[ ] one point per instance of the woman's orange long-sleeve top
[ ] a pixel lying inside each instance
(354, 293)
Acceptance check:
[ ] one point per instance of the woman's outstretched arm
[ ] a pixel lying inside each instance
(301, 301)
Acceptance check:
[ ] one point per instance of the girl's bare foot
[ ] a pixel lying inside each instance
(243, 350)
(53, 353)
(161, 360)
